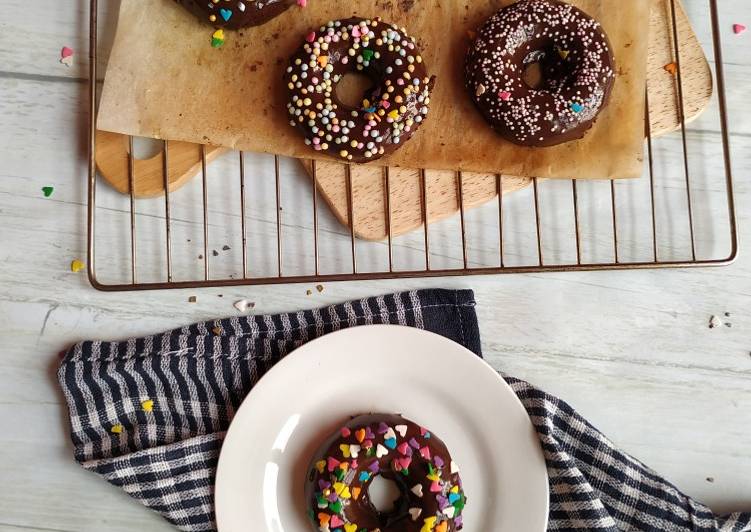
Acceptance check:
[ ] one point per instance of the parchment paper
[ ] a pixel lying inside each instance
(164, 80)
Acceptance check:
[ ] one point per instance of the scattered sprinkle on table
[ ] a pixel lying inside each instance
(47, 191)
(309, 292)
(671, 68)
(739, 28)
(715, 322)
(226, 247)
(320, 288)
(192, 299)
(66, 56)
(77, 266)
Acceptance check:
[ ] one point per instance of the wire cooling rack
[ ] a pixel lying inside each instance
(257, 219)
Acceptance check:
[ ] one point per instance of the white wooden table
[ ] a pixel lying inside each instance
(631, 350)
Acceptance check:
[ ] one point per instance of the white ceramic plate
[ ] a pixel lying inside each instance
(429, 379)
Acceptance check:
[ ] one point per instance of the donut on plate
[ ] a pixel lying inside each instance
(391, 110)
(431, 496)
(237, 14)
(577, 70)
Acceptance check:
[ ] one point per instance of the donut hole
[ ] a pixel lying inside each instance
(353, 88)
(383, 494)
(532, 76)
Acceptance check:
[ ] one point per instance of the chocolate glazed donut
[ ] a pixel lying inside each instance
(237, 14)
(577, 68)
(391, 110)
(431, 496)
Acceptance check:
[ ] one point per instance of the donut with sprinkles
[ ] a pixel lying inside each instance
(431, 497)
(391, 111)
(237, 14)
(576, 64)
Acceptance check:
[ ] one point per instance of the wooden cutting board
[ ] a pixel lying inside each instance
(406, 205)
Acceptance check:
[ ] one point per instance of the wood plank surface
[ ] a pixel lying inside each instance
(631, 350)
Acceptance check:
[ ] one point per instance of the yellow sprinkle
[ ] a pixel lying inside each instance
(563, 53)
(116, 429)
(320, 465)
(394, 114)
(428, 526)
(218, 34)
(148, 405)
(338, 487)
(77, 266)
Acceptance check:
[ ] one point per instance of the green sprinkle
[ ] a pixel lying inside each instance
(336, 507)
(47, 191)
(367, 54)
(216, 43)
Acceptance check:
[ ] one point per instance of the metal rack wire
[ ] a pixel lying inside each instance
(541, 264)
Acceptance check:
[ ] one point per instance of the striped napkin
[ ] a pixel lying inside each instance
(149, 415)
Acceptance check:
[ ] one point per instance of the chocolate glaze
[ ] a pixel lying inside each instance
(577, 67)
(356, 507)
(392, 109)
(238, 13)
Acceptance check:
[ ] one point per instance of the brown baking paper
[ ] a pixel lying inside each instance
(164, 80)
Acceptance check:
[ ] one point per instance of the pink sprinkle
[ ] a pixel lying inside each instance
(66, 52)
(314, 81)
(360, 146)
(345, 60)
(356, 31)
(302, 3)
(345, 431)
(738, 28)
(504, 95)
(335, 129)
(400, 81)
(385, 104)
(327, 38)
(311, 36)
(316, 140)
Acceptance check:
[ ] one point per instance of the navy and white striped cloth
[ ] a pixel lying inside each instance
(149, 415)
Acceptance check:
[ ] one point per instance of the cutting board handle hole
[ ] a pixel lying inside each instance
(146, 148)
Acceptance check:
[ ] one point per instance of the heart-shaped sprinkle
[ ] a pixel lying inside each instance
(415, 513)
(454, 468)
(323, 484)
(345, 450)
(356, 493)
(390, 434)
(364, 476)
(403, 463)
(739, 28)
(563, 53)
(442, 501)
(321, 465)
(369, 433)
(336, 521)
(324, 518)
(417, 490)
(425, 452)
(453, 497)
(413, 443)
(429, 522)
(441, 527)
(435, 487)
(439, 461)
(354, 450)
(226, 14)
(374, 467)
(345, 494)
(116, 429)
(350, 527)
(336, 507)
(367, 444)
(381, 451)
(390, 443)
(504, 95)
(403, 448)
(354, 464)
(346, 432)
(332, 463)
(338, 487)
(577, 107)
(356, 31)
(402, 430)
(241, 6)
(360, 435)
(382, 428)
